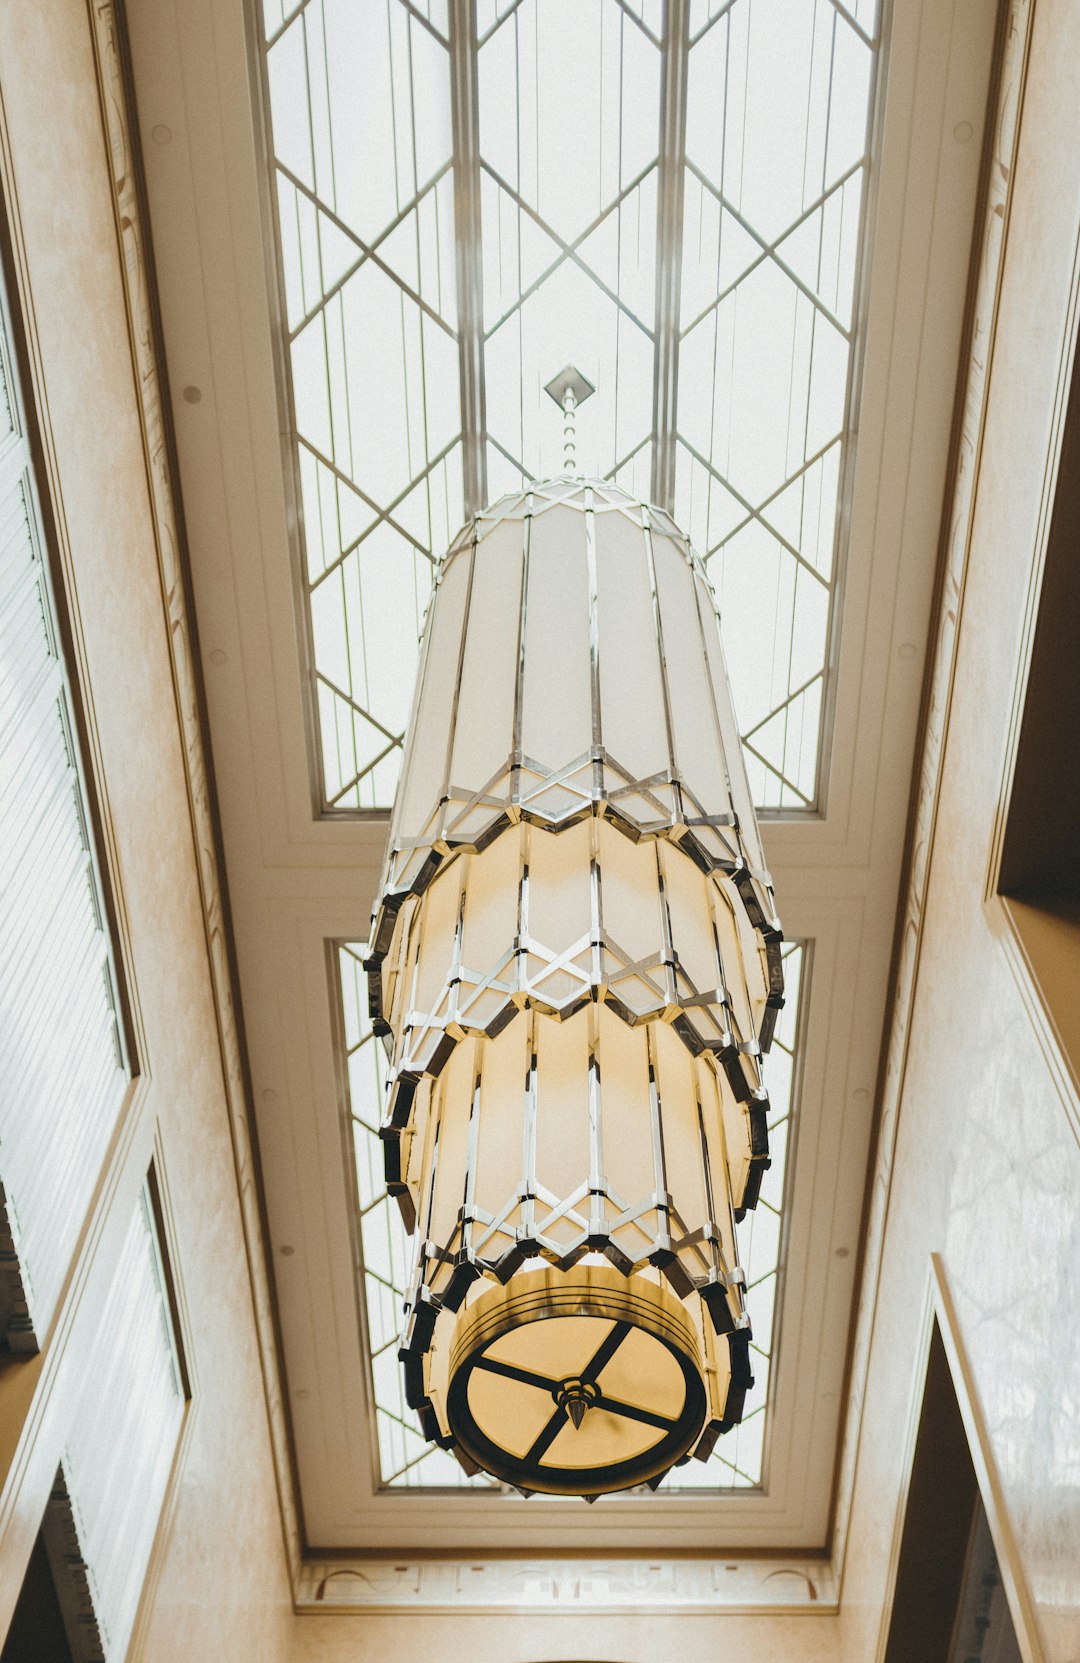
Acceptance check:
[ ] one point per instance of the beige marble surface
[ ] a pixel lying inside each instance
(221, 1589)
(987, 1170)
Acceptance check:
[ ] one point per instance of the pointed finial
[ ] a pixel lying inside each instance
(569, 389)
(576, 1408)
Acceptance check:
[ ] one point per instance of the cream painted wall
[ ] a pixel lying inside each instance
(987, 1170)
(221, 1589)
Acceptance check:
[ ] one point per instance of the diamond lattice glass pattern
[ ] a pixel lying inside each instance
(470, 196)
(406, 1459)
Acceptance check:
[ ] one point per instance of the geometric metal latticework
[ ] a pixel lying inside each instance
(671, 196)
(406, 1458)
(575, 962)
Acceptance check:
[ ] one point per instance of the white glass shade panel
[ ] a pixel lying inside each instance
(444, 251)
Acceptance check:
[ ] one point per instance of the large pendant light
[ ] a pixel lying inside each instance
(575, 965)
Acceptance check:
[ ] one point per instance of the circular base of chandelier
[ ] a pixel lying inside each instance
(576, 1383)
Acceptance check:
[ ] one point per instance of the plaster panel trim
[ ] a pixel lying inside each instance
(938, 1307)
(1010, 938)
(1003, 922)
(135, 264)
(168, 1246)
(986, 289)
(569, 1587)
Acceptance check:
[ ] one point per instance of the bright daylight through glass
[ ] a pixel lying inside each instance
(471, 197)
(405, 1456)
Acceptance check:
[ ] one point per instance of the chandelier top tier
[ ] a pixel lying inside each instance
(562, 677)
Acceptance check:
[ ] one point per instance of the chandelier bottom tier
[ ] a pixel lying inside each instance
(575, 968)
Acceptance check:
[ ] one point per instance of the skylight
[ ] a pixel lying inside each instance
(406, 1459)
(472, 194)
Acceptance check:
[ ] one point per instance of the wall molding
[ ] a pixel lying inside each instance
(574, 1587)
(1001, 916)
(939, 1311)
(1003, 130)
(169, 1248)
(119, 133)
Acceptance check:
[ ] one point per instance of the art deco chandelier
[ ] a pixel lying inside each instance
(575, 966)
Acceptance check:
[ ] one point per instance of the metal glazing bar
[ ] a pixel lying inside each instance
(367, 251)
(711, 22)
(465, 119)
(841, 10)
(424, 22)
(669, 235)
(382, 516)
(569, 250)
(503, 17)
(274, 35)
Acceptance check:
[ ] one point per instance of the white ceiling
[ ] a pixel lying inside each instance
(300, 881)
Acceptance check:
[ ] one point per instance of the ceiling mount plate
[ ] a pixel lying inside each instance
(570, 380)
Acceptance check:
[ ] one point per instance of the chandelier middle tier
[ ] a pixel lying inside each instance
(575, 965)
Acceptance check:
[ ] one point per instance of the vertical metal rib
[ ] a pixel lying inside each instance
(669, 235)
(528, 1149)
(658, 629)
(659, 1157)
(710, 1195)
(519, 670)
(451, 732)
(465, 118)
(597, 1182)
(597, 736)
(469, 1201)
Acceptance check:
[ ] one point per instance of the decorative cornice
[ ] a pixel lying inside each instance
(136, 265)
(985, 294)
(547, 1587)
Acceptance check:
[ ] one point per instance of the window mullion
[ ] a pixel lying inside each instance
(465, 115)
(669, 235)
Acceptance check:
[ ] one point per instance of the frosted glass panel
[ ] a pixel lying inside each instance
(778, 101)
(464, 211)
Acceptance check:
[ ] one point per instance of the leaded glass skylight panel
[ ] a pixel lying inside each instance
(668, 194)
(777, 120)
(406, 1459)
(366, 229)
(569, 131)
